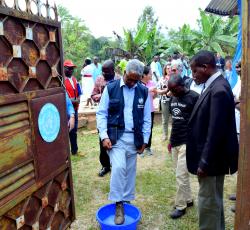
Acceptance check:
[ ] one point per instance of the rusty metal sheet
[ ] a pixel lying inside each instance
(36, 190)
(30, 216)
(36, 211)
(53, 54)
(48, 156)
(11, 178)
(6, 51)
(14, 118)
(14, 31)
(54, 194)
(30, 53)
(41, 36)
(18, 73)
(43, 73)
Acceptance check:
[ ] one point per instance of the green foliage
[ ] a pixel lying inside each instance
(148, 16)
(214, 33)
(98, 45)
(76, 38)
(79, 43)
(147, 40)
(181, 40)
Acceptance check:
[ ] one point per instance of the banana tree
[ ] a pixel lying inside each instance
(134, 41)
(143, 43)
(181, 41)
(213, 35)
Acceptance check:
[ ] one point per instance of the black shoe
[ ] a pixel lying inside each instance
(232, 197)
(103, 171)
(190, 204)
(119, 213)
(176, 213)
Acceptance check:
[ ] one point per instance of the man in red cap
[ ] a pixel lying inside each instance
(74, 92)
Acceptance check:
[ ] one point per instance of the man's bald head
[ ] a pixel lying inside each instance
(108, 64)
(108, 70)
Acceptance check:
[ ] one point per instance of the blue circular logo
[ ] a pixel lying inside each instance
(49, 122)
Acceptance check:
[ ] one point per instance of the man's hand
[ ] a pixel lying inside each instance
(140, 151)
(96, 98)
(169, 148)
(201, 173)
(106, 143)
(71, 123)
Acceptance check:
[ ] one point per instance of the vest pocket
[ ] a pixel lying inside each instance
(114, 105)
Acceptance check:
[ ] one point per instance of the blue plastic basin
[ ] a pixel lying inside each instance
(106, 214)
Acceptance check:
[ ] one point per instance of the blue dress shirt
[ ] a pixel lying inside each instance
(128, 94)
(69, 106)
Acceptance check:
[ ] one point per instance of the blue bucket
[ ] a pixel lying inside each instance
(106, 214)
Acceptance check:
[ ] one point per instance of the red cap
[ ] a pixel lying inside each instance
(69, 63)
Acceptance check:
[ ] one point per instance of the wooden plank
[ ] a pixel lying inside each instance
(243, 187)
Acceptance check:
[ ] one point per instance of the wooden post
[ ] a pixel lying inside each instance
(243, 187)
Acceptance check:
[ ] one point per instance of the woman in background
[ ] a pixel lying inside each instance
(164, 99)
(147, 81)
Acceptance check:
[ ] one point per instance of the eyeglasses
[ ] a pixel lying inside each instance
(174, 70)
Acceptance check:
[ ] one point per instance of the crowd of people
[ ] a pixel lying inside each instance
(197, 95)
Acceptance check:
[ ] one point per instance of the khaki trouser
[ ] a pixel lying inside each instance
(165, 118)
(210, 203)
(184, 194)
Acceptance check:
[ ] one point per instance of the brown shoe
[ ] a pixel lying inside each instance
(119, 213)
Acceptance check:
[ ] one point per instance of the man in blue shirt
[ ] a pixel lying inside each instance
(124, 123)
(97, 68)
(158, 63)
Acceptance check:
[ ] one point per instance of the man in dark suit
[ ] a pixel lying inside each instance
(212, 146)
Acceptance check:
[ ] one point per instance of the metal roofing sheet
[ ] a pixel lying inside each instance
(222, 7)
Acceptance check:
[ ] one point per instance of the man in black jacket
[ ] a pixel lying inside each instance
(212, 146)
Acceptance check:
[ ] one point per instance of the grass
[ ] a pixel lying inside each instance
(155, 188)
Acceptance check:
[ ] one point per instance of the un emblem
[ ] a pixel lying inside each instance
(141, 100)
(49, 122)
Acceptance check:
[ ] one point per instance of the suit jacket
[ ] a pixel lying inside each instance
(212, 138)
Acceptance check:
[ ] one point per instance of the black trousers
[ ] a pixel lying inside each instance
(152, 125)
(73, 136)
(104, 157)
